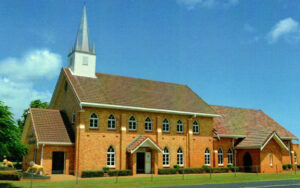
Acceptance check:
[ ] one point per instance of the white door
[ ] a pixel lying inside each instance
(148, 163)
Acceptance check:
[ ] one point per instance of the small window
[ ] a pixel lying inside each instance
(148, 124)
(195, 127)
(230, 156)
(180, 157)
(73, 116)
(179, 126)
(111, 122)
(166, 157)
(111, 155)
(94, 121)
(295, 158)
(271, 158)
(207, 156)
(220, 157)
(132, 123)
(85, 60)
(166, 126)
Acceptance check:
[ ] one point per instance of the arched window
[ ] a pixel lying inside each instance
(148, 124)
(180, 157)
(271, 158)
(207, 156)
(295, 158)
(166, 157)
(94, 121)
(111, 157)
(195, 127)
(111, 122)
(230, 156)
(220, 157)
(179, 126)
(132, 123)
(166, 126)
(73, 116)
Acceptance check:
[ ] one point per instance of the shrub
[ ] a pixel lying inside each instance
(167, 171)
(298, 166)
(176, 167)
(105, 169)
(290, 166)
(206, 168)
(120, 172)
(220, 170)
(190, 170)
(285, 166)
(10, 175)
(92, 173)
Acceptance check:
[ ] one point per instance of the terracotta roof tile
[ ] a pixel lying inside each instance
(126, 91)
(50, 126)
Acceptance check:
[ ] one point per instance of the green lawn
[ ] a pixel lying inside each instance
(158, 180)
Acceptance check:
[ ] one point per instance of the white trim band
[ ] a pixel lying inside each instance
(57, 143)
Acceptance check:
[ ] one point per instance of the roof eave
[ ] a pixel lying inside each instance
(57, 143)
(99, 105)
(231, 136)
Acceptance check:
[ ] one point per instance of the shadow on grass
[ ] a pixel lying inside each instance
(7, 185)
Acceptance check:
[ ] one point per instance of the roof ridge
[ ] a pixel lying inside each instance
(243, 108)
(45, 109)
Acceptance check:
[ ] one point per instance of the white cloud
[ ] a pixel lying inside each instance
(287, 28)
(18, 76)
(191, 4)
(33, 65)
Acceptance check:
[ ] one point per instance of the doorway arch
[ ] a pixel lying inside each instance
(247, 162)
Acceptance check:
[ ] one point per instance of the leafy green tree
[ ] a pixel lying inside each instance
(11, 145)
(33, 104)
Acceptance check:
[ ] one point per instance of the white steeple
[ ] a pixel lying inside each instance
(82, 59)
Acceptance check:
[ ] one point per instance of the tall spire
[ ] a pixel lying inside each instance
(82, 39)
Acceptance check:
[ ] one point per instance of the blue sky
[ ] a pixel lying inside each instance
(230, 52)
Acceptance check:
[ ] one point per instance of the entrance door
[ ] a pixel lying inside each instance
(58, 162)
(148, 163)
(247, 162)
(140, 162)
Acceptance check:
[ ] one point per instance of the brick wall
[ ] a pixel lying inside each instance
(276, 150)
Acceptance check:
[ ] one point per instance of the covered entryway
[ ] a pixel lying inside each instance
(140, 162)
(58, 162)
(247, 162)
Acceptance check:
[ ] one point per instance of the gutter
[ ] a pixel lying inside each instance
(98, 105)
(56, 143)
(231, 136)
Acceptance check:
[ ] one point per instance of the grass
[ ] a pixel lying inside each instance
(159, 180)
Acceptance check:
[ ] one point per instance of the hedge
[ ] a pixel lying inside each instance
(298, 166)
(167, 171)
(92, 173)
(286, 166)
(191, 170)
(120, 172)
(10, 175)
(220, 170)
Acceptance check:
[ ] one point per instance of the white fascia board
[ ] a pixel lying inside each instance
(56, 143)
(231, 136)
(288, 138)
(277, 139)
(98, 105)
(132, 151)
(248, 147)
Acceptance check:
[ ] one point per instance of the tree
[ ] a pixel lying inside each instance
(11, 145)
(33, 104)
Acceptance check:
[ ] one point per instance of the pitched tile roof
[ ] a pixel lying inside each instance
(254, 125)
(138, 141)
(133, 92)
(50, 126)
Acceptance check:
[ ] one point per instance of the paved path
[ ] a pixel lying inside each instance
(261, 184)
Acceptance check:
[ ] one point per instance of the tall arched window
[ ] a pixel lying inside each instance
(111, 157)
(207, 156)
(166, 157)
(132, 123)
(295, 158)
(166, 126)
(111, 122)
(148, 124)
(179, 126)
(94, 121)
(220, 157)
(230, 156)
(195, 127)
(180, 157)
(271, 158)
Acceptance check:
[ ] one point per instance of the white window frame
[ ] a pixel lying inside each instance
(94, 121)
(179, 126)
(180, 157)
(132, 123)
(196, 128)
(166, 125)
(230, 156)
(220, 157)
(271, 158)
(207, 157)
(166, 157)
(148, 124)
(111, 157)
(111, 121)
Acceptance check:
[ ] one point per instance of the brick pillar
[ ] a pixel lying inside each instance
(189, 152)
(155, 161)
(159, 139)
(292, 159)
(215, 154)
(80, 128)
(133, 162)
(122, 141)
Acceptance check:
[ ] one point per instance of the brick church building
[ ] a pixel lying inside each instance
(100, 120)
